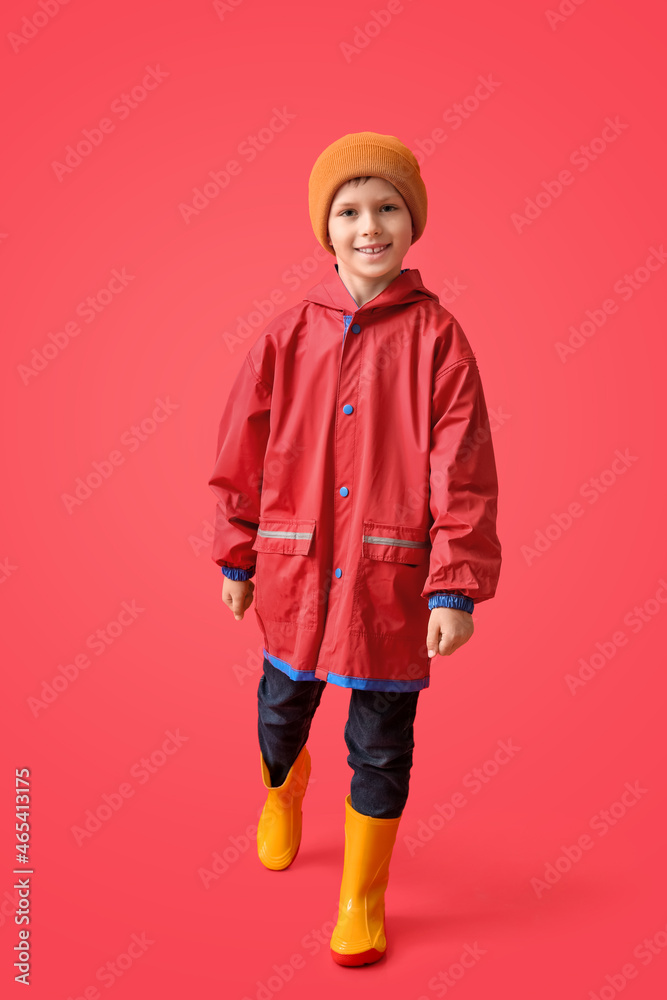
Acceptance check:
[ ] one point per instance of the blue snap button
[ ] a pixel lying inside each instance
(339, 573)
(347, 408)
(355, 328)
(343, 491)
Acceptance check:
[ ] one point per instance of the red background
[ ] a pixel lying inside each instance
(142, 535)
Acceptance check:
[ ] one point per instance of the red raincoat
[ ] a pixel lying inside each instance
(356, 476)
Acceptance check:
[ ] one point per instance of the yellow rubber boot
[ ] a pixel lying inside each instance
(279, 827)
(359, 936)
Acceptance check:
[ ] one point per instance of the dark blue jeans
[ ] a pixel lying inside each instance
(379, 734)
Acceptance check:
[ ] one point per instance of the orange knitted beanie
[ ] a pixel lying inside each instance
(365, 154)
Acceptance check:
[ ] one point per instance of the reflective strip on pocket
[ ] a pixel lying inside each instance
(387, 540)
(285, 536)
(395, 543)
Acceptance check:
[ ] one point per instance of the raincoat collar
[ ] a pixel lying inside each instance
(406, 287)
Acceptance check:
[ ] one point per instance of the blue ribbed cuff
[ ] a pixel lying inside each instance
(238, 574)
(451, 601)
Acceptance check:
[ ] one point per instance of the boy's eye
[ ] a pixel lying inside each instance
(345, 211)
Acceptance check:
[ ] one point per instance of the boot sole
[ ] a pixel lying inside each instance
(280, 868)
(362, 958)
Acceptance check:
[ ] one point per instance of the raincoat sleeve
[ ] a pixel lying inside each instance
(463, 485)
(237, 477)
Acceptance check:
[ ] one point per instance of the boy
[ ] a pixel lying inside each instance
(356, 481)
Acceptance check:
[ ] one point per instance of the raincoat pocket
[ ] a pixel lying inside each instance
(285, 572)
(395, 543)
(390, 577)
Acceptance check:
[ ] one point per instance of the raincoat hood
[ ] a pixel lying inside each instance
(406, 288)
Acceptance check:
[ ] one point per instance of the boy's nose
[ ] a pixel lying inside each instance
(370, 226)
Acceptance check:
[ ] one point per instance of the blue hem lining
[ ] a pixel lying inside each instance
(361, 683)
(296, 675)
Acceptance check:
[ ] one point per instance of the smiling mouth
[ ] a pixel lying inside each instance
(373, 251)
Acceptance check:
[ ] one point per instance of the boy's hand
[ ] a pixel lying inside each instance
(237, 594)
(448, 628)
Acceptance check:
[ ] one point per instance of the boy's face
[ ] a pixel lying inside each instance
(365, 214)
